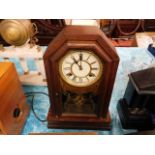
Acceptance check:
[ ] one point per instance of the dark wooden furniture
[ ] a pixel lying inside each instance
(148, 25)
(146, 132)
(13, 107)
(83, 38)
(48, 29)
(126, 27)
(137, 106)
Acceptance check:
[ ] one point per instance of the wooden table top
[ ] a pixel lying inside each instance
(4, 66)
(143, 39)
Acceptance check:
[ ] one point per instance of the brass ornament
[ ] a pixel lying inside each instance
(17, 32)
(82, 103)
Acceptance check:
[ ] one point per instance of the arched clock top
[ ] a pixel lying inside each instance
(81, 66)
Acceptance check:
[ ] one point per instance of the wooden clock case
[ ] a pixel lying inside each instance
(85, 38)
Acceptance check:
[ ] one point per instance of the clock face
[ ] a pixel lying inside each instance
(80, 68)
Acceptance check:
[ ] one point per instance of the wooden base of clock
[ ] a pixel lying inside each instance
(79, 122)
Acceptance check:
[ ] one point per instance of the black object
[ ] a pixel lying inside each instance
(32, 94)
(138, 104)
(151, 49)
(16, 112)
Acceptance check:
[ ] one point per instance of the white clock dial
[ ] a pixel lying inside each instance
(80, 68)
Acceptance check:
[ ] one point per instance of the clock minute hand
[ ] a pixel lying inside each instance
(80, 66)
(74, 60)
(80, 59)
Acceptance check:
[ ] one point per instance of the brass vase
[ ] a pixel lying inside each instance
(17, 32)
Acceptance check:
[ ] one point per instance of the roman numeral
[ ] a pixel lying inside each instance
(67, 68)
(68, 62)
(93, 62)
(95, 68)
(91, 74)
(74, 78)
(69, 74)
(88, 57)
(87, 78)
(80, 80)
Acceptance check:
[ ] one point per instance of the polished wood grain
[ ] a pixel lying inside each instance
(79, 122)
(11, 97)
(86, 38)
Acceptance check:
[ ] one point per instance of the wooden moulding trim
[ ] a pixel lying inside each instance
(79, 33)
(104, 90)
(87, 45)
(62, 51)
(91, 39)
(107, 60)
(110, 85)
(78, 118)
(87, 33)
(52, 86)
(80, 123)
(53, 47)
(110, 49)
(84, 33)
(49, 81)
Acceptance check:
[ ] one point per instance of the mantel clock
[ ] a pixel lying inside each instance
(80, 65)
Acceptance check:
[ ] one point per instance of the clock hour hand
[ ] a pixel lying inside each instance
(75, 61)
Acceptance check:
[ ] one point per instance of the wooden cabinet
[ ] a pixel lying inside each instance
(48, 29)
(13, 107)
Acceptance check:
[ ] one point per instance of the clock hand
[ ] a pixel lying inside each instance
(80, 65)
(75, 61)
(80, 59)
(80, 56)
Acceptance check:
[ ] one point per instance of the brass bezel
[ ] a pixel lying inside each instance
(68, 81)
